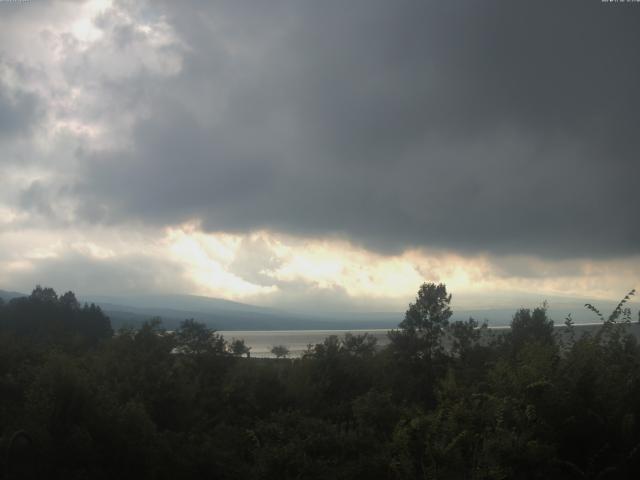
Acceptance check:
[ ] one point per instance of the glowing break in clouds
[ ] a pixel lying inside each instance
(266, 264)
(275, 269)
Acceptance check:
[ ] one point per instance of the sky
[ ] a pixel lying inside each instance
(321, 155)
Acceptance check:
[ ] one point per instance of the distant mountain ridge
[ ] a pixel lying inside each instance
(175, 302)
(221, 314)
(7, 295)
(130, 310)
(227, 315)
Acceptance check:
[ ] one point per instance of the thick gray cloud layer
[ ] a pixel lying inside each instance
(507, 127)
(80, 273)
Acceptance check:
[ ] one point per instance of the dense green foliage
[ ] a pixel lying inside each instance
(445, 400)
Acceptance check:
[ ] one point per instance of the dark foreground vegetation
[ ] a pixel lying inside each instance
(441, 401)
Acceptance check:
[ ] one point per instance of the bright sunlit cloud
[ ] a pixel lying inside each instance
(263, 267)
(332, 264)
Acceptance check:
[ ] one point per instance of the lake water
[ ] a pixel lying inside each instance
(296, 341)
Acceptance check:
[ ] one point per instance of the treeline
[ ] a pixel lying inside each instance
(46, 319)
(443, 400)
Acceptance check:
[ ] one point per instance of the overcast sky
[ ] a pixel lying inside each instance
(329, 154)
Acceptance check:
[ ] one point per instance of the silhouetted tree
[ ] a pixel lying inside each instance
(43, 317)
(528, 326)
(68, 300)
(280, 351)
(238, 348)
(359, 345)
(426, 320)
(195, 338)
(45, 295)
(329, 348)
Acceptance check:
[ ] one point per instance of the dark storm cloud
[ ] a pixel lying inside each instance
(508, 127)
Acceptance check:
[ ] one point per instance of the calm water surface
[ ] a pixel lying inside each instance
(296, 341)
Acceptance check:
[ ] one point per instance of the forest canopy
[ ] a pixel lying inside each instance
(443, 400)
